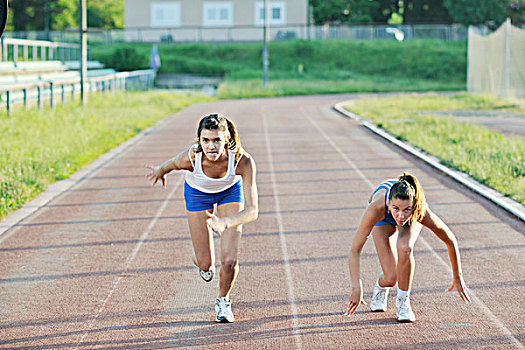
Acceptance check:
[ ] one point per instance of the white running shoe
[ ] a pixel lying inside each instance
(379, 298)
(404, 310)
(223, 307)
(207, 276)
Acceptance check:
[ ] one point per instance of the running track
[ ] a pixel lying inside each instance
(106, 264)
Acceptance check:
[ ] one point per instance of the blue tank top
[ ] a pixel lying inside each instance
(388, 219)
(385, 185)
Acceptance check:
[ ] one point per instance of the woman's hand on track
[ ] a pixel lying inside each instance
(459, 285)
(356, 299)
(155, 175)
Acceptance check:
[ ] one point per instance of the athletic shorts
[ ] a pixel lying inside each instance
(387, 220)
(197, 200)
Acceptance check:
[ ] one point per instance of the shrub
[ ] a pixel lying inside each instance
(126, 59)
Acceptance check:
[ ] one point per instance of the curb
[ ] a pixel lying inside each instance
(506, 203)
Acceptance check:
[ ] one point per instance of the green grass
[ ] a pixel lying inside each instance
(231, 89)
(485, 154)
(40, 147)
(328, 66)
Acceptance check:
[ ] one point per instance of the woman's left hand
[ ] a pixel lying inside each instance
(459, 285)
(216, 224)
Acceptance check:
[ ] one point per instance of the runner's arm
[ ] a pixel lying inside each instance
(247, 170)
(443, 232)
(373, 213)
(179, 162)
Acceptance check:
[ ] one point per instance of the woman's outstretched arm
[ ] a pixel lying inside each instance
(373, 213)
(440, 229)
(158, 173)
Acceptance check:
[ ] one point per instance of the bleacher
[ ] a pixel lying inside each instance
(27, 72)
(33, 71)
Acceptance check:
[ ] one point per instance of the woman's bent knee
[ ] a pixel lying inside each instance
(229, 263)
(389, 280)
(405, 251)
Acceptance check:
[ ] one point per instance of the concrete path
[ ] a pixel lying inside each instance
(509, 124)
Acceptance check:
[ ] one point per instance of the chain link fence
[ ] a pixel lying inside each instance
(253, 33)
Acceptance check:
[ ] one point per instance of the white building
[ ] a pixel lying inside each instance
(211, 20)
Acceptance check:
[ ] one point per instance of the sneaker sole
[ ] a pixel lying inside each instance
(204, 279)
(201, 273)
(406, 321)
(223, 320)
(378, 310)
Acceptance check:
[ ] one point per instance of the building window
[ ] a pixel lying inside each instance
(165, 14)
(217, 14)
(277, 13)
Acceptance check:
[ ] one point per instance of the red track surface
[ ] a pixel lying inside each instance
(107, 264)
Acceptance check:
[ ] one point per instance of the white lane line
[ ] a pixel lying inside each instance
(480, 303)
(282, 238)
(338, 150)
(130, 259)
(473, 296)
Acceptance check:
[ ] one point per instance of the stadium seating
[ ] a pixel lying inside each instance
(34, 71)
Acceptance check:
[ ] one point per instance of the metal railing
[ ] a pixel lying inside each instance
(40, 91)
(37, 50)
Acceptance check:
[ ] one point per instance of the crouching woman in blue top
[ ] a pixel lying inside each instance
(219, 172)
(398, 206)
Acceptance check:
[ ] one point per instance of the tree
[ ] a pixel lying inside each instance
(516, 12)
(360, 11)
(425, 11)
(477, 11)
(106, 14)
(379, 11)
(62, 14)
(328, 11)
(342, 11)
(384, 10)
(41, 15)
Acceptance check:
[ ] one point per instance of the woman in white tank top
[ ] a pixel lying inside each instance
(221, 175)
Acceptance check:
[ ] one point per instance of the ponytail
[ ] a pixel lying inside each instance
(408, 187)
(234, 138)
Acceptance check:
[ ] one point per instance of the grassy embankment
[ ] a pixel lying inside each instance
(41, 147)
(485, 154)
(332, 66)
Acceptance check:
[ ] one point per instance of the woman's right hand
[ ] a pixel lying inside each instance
(356, 299)
(156, 173)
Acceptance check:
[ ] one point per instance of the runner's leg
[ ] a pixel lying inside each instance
(384, 240)
(405, 250)
(230, 242)
(202, 239)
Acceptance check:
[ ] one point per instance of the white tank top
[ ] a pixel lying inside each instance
(198, 180)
